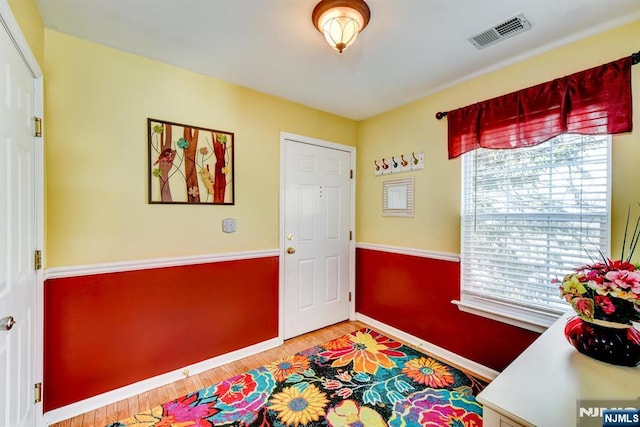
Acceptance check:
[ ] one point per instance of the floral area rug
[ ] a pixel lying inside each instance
(360, 379)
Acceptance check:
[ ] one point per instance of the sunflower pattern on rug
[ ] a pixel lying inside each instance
(359, 379)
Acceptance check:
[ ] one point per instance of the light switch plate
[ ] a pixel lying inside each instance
(229, 225)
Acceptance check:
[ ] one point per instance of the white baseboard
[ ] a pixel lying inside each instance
(437, 351)
(131, 390)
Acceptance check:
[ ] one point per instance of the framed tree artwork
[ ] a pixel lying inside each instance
(189, 164)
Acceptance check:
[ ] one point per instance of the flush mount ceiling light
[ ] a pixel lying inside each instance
(340, 21)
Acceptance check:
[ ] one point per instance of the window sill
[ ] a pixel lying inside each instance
(536, 322)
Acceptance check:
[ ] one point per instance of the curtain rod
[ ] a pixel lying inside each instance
(635, 59)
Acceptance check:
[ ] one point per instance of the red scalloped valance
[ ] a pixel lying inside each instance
(591, 102)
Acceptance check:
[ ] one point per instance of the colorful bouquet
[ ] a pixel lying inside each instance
(607, 290)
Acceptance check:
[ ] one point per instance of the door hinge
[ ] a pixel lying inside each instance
(350, 235)
(37, 259)
(37, 131)
(37, 393)
(349, 296)
(350, 173)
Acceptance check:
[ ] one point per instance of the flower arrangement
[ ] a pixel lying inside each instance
(607, 290)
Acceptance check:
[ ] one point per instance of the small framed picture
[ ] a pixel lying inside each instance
(397, 197)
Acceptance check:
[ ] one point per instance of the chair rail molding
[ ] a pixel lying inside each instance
(146, 264)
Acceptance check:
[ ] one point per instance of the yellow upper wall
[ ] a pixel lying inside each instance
(436, 224)
(28, 17)
(97, 101)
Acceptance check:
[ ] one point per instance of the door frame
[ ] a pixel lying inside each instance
(282, 243)
(8, 21)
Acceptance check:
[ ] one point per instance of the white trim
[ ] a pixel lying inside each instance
(146, 264)
(444, 256)
(39, 207)
(319, 142)
(536, 322)
(8, 21)
(446, 355)
(95, 402)
(284, 136)
(281, 239)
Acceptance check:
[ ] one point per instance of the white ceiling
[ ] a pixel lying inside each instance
(410, 48)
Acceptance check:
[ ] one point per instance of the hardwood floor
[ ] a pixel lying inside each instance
(127, 407)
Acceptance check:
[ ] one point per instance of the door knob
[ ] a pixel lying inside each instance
(291, 250)
(7, 323)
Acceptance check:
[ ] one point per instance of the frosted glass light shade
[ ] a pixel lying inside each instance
(340, 21)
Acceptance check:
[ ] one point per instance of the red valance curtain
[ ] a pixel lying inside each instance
(591, 102)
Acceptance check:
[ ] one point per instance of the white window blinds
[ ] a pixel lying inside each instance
(530, 215)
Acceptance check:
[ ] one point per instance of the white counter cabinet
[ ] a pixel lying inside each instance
(543, 385)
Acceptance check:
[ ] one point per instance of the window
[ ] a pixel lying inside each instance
(530, 215)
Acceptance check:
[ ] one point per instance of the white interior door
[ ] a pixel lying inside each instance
(316, 241)
(18, 237)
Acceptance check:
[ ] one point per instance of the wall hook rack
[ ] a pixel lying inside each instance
(398, 163)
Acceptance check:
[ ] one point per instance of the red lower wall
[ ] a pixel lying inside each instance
(414, 294)
(106, 331)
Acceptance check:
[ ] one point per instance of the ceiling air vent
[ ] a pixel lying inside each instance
(500, 32)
